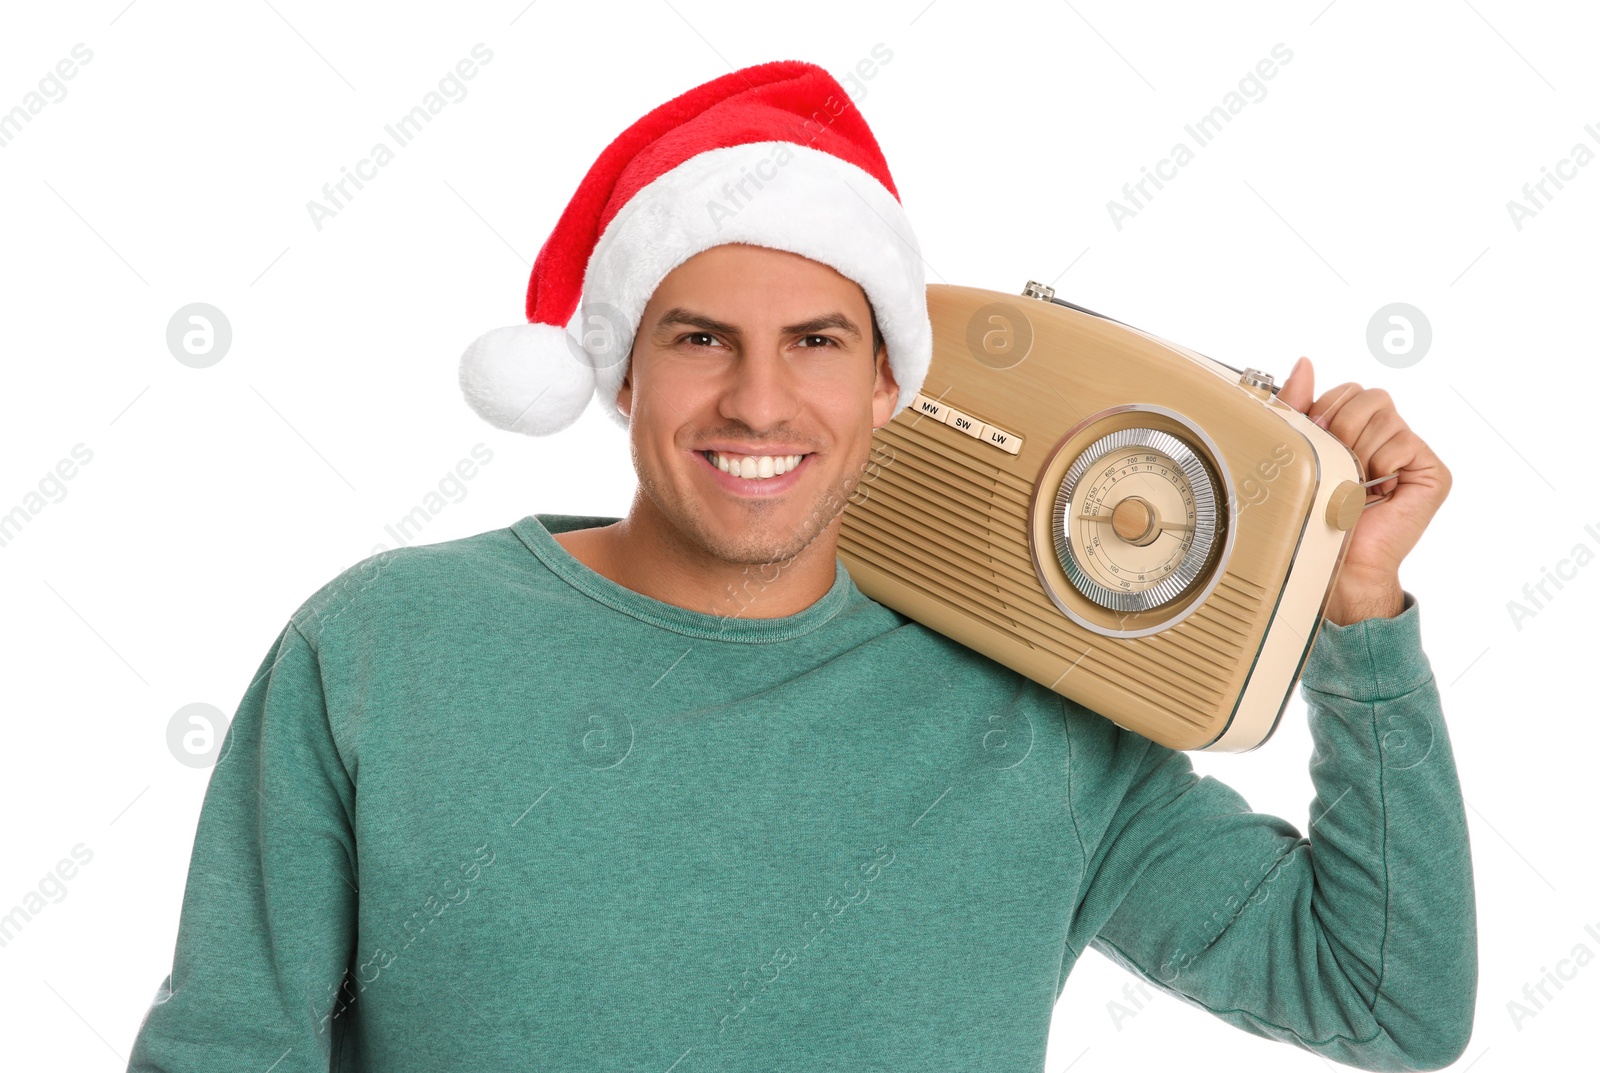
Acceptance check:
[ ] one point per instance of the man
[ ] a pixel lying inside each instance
(716, 398)
(548, 797)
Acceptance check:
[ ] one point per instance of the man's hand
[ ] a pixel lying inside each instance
(1365, 420)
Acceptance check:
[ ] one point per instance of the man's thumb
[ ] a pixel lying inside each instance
(1296, 391)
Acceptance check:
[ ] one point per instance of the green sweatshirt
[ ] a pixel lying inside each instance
(484, 809)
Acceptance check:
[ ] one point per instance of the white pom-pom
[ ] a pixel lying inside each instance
(528, 378)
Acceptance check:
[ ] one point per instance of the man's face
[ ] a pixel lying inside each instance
(745, 352)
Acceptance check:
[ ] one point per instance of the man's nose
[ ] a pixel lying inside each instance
(762, 391)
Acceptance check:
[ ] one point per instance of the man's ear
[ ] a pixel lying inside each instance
(625, 393)
(885, 390)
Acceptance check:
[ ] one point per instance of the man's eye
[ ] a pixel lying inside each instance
(692, 336)
(828, 339)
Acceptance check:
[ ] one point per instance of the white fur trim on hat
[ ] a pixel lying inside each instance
(792, 198)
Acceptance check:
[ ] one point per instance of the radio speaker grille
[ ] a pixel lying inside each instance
(953, 529)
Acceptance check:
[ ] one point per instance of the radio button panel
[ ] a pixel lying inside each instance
(994, 435)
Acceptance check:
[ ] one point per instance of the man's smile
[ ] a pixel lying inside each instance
(755, 475)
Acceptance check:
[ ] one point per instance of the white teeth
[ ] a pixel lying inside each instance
(755, 467)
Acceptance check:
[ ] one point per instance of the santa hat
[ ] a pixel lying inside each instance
(772, 155)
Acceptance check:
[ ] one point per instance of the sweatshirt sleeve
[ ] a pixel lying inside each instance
(268, 922)
(1357, 940)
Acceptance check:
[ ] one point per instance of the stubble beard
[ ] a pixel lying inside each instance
(765, 541)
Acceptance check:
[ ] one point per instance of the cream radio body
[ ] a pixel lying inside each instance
(1126, 522)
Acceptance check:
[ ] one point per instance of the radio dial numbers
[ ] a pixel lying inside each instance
(1136, 520)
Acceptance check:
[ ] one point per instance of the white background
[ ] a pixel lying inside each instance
(177, 169)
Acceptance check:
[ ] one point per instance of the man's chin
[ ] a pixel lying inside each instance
(759, 545)
(752, 533)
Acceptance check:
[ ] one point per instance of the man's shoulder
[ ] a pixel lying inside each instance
(937, 661)
(395, 584)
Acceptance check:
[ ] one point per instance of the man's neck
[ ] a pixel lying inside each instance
(644, 553)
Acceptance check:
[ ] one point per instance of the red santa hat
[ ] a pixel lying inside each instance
(772, 155)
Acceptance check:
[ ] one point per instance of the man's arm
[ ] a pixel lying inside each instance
(269, 913)
(1358, 940)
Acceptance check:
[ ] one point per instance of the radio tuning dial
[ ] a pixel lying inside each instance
(1136, 520)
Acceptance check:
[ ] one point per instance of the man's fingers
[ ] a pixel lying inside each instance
(1385, 445)
(1325, 411)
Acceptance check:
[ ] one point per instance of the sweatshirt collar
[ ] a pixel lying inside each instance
(536, 531)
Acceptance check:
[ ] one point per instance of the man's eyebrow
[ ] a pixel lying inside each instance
(680, 315)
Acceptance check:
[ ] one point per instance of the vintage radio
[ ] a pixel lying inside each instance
(1131, 524)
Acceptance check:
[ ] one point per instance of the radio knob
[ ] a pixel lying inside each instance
(1256, 382)
(1345, 505)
